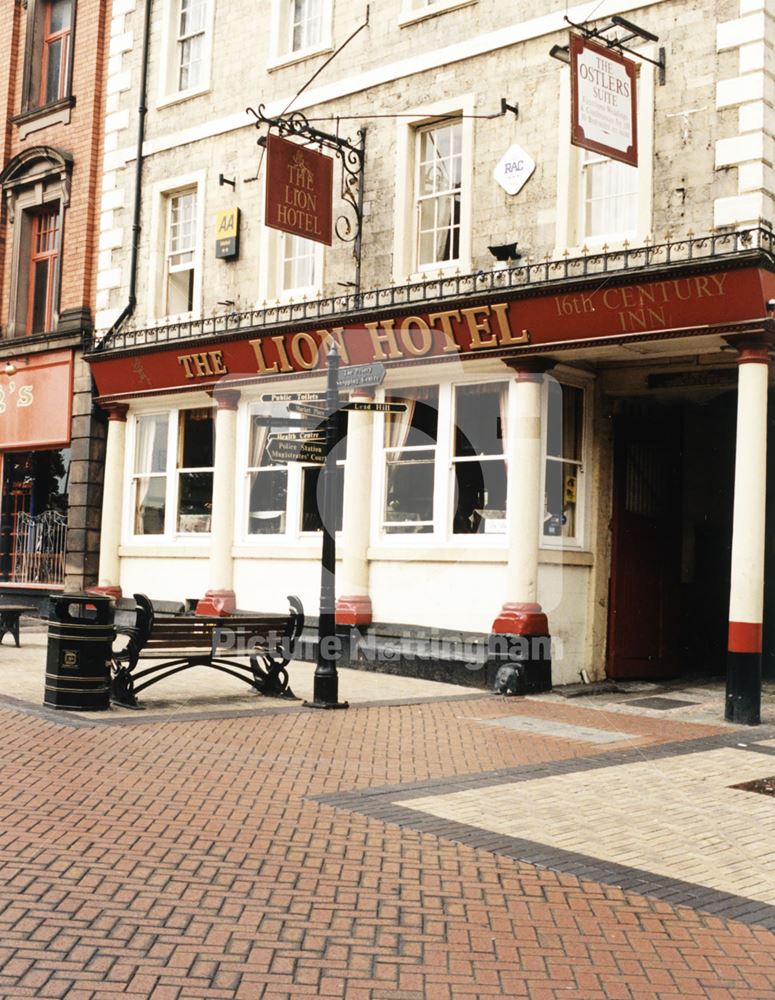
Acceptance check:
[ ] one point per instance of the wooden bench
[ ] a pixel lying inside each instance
(254, 648)
(9, 619)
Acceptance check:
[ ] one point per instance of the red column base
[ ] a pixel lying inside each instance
(217, 602)
(114, 592)
(354, 611)
(521, 619)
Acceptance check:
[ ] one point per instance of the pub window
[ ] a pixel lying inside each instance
(299, 262)
(149, 482)
(195, 459)
(301, 28)
(564, 423)
(410, 457)
(478, 463)
(311, 498)
(181, 253)
(267, 481)
(610, 195)
(191, 41)
(438, 194)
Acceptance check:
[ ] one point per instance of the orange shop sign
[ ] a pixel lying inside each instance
(36, 402)
(299, 190)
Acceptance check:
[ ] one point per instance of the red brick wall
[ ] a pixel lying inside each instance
(81, 137)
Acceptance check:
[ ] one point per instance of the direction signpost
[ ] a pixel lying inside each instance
(376, 407)
(285, 449)
(361, 376)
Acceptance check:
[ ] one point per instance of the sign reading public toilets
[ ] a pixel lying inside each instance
(603, 101)
(299, 190)
(514, 169)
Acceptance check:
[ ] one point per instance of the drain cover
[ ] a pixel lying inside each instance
(662, 704)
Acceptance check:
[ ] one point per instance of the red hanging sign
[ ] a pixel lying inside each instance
(604, 116)
(299, 190)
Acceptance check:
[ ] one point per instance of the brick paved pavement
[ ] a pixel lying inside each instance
(222, 858)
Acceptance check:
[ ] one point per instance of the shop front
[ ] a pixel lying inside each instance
(556, 455)
(35, 425)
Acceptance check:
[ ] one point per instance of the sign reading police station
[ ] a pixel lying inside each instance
(603, 101)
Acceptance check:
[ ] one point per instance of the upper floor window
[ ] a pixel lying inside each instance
(438, 193)
(44, 269)
(58, 22)
(609, 197)
(48, 55)
(36, 185)
(301, 28)
(191, 43)
(181, 253)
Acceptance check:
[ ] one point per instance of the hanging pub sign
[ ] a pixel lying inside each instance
(603, 101)
(299, 190)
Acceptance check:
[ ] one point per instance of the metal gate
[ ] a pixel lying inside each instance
(38, 554)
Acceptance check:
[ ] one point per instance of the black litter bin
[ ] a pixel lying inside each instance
(80, 639)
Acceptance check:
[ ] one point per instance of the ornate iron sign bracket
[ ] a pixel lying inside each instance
(352, 155)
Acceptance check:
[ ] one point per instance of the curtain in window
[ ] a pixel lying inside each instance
(257, 445)
(398, 425)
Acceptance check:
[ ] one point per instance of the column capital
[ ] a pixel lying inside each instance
(529, 369)
(116, 411)
(752, 348)
(226, 399)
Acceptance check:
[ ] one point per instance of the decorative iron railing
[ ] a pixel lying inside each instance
(521, 275)
(39, 548)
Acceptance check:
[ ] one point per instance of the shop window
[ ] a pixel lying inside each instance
(195, 460)
(302, 28)
(150, 474)
(479, 468)
(564, 429)
(410, 458)
(34, 516)
(48, 54)
(181, 253)
(438, 192)
(267, 483)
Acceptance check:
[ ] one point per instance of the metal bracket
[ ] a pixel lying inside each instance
(505, 106)
(351, 154)
(619, 43)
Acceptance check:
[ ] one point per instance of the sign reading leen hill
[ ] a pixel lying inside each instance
(603, 101)
(299, 190)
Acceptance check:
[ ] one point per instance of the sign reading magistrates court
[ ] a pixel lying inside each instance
(299, 190)
(603, 101)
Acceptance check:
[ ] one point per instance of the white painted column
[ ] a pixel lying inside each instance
(354, 606)
(109, 574)
(521, 613)
(220, 598)
(746, 599)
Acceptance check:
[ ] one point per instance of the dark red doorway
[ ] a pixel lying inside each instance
(644, 626)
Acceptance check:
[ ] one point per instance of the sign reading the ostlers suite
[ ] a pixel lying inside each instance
(299, 190)
(603, 101)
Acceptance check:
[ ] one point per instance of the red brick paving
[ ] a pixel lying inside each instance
(184, 860)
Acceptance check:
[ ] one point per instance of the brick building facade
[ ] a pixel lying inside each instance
(604, 327)
(53, 55)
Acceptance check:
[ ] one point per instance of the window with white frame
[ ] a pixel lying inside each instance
(409, 451)
(599, 200)
(301, 28)
(191, 43)
(438, 193)
(149, 481)
(181, 253)
(306, 24)
(284, 499)
(564, 439)
(172, 479)
(478, 462)
(299, 265)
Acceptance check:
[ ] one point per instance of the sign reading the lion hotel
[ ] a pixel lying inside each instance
(299, 190)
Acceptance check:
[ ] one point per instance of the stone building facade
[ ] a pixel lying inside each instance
(51, 437)
(604, 327)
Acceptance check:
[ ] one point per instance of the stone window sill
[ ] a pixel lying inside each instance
(37, 119)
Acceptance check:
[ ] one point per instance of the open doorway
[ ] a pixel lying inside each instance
(671, 536)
